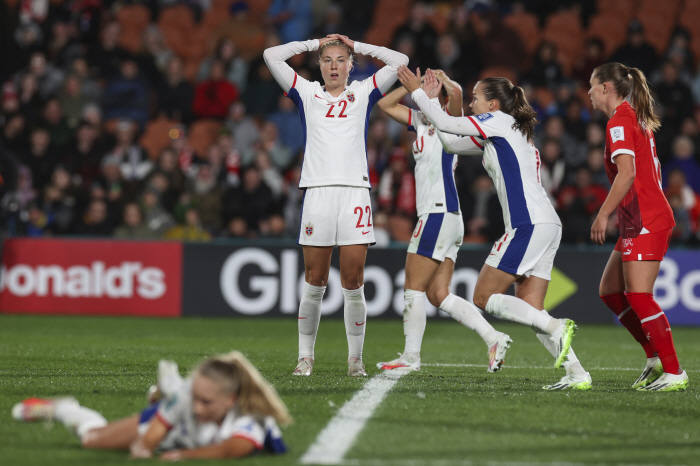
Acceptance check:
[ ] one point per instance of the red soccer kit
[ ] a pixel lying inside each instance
(644, 210)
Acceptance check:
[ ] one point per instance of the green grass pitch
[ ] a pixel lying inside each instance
(452, 414)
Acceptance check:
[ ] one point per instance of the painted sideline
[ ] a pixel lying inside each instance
(338, 436)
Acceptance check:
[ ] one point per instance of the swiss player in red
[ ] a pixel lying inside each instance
(645, 219)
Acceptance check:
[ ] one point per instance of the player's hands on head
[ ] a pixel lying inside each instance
(344, 39)
(409, 80)
(598, 229)
(431, 84)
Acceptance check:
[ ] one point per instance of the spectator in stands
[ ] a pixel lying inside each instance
(271, 175)
(397, 186)
(39, 223)
(288, 124)
(167, 165)
(451, 60)
(273, 227)
(576, 119)
(63, 45)
(29, 103)
(545, 70)
(291, 205)
(248, 36)
(424, 36)
(175, 93)
(252, 200)
(94, 221)
(291, 19)
(483, 213)
(237, 228)
(553, 168)
(569, 147)
(48, 76)
(190, 230)
(674, 96)
(72, 100)
(155, 216)
(577, 205)
(680, 54)
(133, 226)
(82, 155)
(636, 52)
(596, 166)
(61, 199)
(589, 61)
(242, 127)
(40, 157)
(230, 166)
(160, 182)
(269, 142)
(213, 97)
(55, 122)
(236, 68)
(499, 45)
(683, 158)
(111, 187)
(154, 55)
(89, 86)
(126, 96)
(685, 203)
(133, 159)
(262, 91)
(204, 193)
(106, 56)
(379, 149)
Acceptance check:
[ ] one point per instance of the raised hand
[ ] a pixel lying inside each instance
(431, 84)
(409, 80)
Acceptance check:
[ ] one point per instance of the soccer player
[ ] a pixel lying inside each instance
(524, 255)
(225, 409)
(646, 220)
(336, 208)
(433, 249)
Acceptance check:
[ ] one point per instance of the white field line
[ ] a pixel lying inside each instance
(505, 366)
(439, 462)
(338, 436)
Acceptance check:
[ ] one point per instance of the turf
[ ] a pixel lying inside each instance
(450, 414)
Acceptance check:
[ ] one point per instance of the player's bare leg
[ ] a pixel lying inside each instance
(352, 274)
(115, 435)
(317, 265)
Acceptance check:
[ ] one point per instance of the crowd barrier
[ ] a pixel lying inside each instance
(172, 279)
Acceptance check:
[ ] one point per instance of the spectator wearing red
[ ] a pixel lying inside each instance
(397, 186)
(213, 97)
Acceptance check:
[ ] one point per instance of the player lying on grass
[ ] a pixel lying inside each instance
(225, 409)
(430, 261)
(505, 123)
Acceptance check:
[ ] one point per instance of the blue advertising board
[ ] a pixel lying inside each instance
(677, 290)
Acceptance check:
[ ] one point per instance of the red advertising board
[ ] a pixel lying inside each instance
(51, 276)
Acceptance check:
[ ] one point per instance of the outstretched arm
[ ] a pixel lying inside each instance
(235, 447)
(385, 77)
(461, 145)
(454, 92)
(391, 106)
(275, 59)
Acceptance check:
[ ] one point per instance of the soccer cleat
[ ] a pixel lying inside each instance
(497, 352)
(400, 363)
(652, 371)
(34, 409)
(667, 383)
(305, 366)
(356, 368)
(562, 338)
(169, 379)
(574, 383)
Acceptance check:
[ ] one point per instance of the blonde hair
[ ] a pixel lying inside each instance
(335, 43)
(254, 395)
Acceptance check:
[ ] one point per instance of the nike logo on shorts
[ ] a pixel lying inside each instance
(359, 325)
(365, 232)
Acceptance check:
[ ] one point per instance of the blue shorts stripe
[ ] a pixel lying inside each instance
(428, 239)
(301, 215)
(148, 413)
(516, 249)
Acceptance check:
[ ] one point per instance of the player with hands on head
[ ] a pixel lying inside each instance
(336, 207)
(646, 220)
(225, 409)
(434, 245)
(503, 126)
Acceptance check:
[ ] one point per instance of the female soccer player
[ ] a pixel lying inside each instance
(646, 220)
(336, 209)
(525, 253)
(433, 249)
(225, 409)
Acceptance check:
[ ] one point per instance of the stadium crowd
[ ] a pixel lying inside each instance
(159, 119)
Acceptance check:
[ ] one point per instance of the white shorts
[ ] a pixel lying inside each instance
(336, 216)
(527, 250)
(438, 236)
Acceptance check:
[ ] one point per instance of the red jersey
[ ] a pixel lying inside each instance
(644, 208)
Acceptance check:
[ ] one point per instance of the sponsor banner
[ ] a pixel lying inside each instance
(677, 290)
(51, 276)
(223, 280)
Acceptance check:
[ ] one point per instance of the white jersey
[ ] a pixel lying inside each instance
(186, 432)
(510, 160)
(335, 128)
(436, 191)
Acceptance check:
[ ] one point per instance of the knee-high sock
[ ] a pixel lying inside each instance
(617, 302)
(355, 320)
(309, 317)
(571, 364)
(413, 322)
(657, 329)
(78, 419)
(468, 315)
(514, 309)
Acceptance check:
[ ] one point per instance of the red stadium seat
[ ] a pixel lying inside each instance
(499, 71)
(156, 136)
(527, 26)
(610, 29)
(623, 9)
(133, 19)
(203, 134)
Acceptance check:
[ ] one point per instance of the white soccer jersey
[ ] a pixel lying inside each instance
(435, 169)
(186, 432)
(510, 160)
(335, 128)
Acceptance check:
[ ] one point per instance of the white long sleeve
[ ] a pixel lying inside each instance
(461, 145)
(462, 126)
(388, 75)
(275, 58)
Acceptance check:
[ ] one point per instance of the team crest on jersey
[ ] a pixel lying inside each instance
(431, 131)
(484, 116)
(627, 243)
(309, 229)
(351, 97)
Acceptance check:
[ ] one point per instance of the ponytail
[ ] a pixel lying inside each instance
(254, 396)
(631, 84)
(512, 101)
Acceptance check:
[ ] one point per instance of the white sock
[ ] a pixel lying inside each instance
(468, 315)
(309, 317)
(413, 322)
(571, 363)
(78, 419)
(514, 309)
(355, 320)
